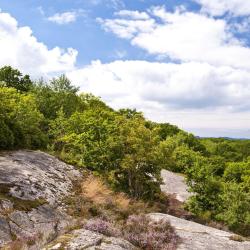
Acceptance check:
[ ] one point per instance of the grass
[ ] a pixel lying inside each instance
(95, 190)
(110, 213)
(236, 237)
(93, 198)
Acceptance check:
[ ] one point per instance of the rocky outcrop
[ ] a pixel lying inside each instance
(85, 239)
(32, 187)
(33, 216)
(174, 184)
(200, 237)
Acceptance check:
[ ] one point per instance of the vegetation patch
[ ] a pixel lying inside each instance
(140, 231)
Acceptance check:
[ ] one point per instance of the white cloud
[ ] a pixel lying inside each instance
(64, 18)
(19, 48)
(120, 54)
(183, 36)
(192, 95)
(220, 7)
(127, 28)
(132, 14)
(115, 4)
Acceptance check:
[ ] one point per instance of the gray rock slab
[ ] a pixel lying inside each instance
(28, 177)
(195, 236)
(174, 184)
(34, 175)
(85, 239)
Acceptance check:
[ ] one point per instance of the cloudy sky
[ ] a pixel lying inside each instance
(186, 62)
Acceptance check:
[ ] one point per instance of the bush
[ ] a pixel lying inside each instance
(144, 233)
(6, 136)
(102, 226)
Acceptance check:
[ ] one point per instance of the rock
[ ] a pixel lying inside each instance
(200, 237)
(5, 233)
(85, 239)
(32, 187)
(32, 175)
(174, 184)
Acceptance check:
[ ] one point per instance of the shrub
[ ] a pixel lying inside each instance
(102, 226)
(144, 233)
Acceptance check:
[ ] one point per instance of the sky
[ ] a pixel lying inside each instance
(186, 62)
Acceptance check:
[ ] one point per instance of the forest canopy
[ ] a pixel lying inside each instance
(122, 146)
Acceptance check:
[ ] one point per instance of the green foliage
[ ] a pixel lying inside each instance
(235, 206)
(6, 136)
(135, 146)
(20, 120)
(57, 94)
(230, 150)
(125, 148)
(110, 144)
(165, 130)
(13, 78)
(237, 171)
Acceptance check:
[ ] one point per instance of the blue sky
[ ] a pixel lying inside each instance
(85, 34)
(185, 61)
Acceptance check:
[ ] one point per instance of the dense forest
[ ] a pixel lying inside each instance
(123, 147)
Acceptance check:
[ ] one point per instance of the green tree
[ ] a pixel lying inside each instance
(235, 206)
(236, 171)
(57, 94)
(13, 78)
(135, 146)
(20, 120)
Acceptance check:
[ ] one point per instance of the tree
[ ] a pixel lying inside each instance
(59, 93)
(205, 185)
(14, 78)
(63, 84)
(236, 171)
(20, 120)
(135, 149)
(235, 206)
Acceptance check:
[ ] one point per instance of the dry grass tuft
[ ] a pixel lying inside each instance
(94, 198)
(95, 190)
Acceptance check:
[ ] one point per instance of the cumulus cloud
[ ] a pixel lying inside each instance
(20, 48)
(184, 36)
(115, 4)
(179, 86)
(65, 17)
(193, 95)
(132, 14)
(220, 7)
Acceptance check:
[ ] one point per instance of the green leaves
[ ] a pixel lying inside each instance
(20, 120)
(13, 78)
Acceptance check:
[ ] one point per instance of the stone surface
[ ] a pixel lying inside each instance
(32, 185)
(33, 175)
(195, 236)
(5, 234)
(85, 239)
(174, 184)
